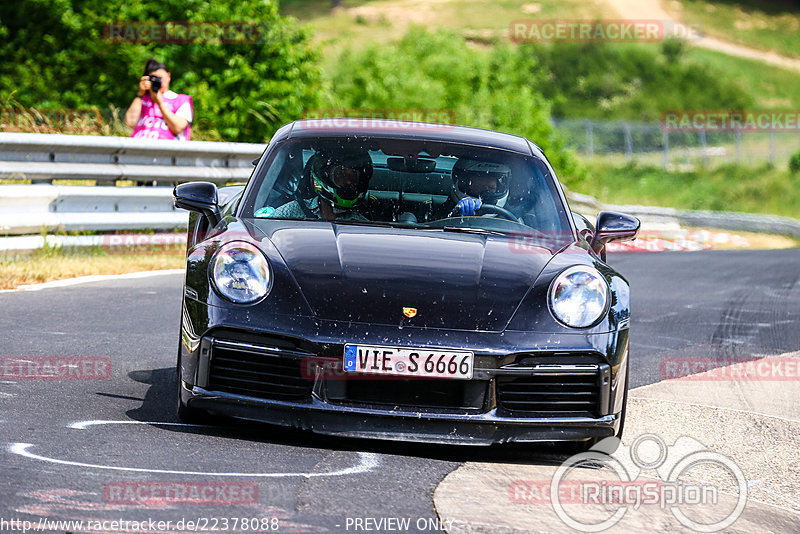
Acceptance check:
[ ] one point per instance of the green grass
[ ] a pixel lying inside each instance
(716, 187)
(762, 24)
(360, 22)
(49, 263)
(728, 188)
(771, 87)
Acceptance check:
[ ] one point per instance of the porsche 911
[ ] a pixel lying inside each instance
(404, 281)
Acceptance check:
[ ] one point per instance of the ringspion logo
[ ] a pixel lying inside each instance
(690, 476)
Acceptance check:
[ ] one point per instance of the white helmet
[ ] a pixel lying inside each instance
(465, 171)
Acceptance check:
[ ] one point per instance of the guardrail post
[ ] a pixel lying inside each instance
(589, 138)
(772, 148)
(628, 141)
(738, 136)
(665, 157)
(703, 148)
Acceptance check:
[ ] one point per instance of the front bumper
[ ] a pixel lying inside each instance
(471, 412)
(480, 429)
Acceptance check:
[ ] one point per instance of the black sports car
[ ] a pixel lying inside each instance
(403, 281)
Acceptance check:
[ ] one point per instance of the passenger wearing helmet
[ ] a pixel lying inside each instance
(338, 184)
(476, 183)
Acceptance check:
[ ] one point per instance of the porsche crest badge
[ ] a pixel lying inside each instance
(409, 312)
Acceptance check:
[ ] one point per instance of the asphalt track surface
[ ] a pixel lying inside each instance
(732, 304)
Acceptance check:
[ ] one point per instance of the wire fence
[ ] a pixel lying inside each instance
(619, 142)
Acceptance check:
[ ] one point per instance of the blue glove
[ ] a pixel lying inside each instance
(468, 206)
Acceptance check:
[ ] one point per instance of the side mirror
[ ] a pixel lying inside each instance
(613, 226)
(200, 197)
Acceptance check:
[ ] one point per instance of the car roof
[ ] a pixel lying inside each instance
(420, 131)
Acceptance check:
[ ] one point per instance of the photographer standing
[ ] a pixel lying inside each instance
(156, 112)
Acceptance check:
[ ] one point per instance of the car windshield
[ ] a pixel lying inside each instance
(408, 183)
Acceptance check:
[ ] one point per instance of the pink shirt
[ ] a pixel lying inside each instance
(151, 123)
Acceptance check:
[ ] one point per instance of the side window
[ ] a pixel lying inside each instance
(283, 177)
(532, 197)
(307, 153)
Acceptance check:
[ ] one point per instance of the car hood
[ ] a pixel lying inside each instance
(370, 274)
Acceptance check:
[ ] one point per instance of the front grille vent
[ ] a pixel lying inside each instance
(567, 393)
(263, 371)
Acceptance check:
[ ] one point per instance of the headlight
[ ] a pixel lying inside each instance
(579, 296)
(240, 272)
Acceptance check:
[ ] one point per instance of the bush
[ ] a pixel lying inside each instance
(673, 49)
(439, 71)
(634, 82)
(516, 89)
(794, 163)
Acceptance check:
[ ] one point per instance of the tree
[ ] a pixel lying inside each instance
(53, 54)
(492, 89)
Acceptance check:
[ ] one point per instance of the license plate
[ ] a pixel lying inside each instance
(371, 359)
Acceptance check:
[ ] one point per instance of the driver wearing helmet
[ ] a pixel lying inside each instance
(339, 183)
(476, 183)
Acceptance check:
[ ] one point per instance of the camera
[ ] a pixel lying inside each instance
(155, 84)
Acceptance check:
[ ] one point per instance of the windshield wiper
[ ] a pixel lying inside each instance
(471, 230)
(356, 222)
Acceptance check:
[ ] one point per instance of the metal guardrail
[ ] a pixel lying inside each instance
(670, 218)
(32, 209)
(106, 241)
(108, 159)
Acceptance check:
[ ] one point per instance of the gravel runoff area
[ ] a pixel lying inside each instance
(748, 413)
